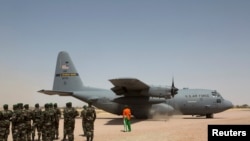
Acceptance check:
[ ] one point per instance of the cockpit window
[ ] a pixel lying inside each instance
(218, 100)
(216, 94)
(219, 96)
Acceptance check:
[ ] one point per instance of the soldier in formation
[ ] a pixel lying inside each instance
(13, 123)
(18, 120)
(69, 114)
(6, 116)
(2, 127)
(90, 117)
(25, 122)
(57, 116)
(27, 119)
(83, 115)
(36, 125)
(47, 120)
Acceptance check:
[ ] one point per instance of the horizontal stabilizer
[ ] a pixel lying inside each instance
(49, 92)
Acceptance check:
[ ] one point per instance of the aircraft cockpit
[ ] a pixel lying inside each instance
(217, 95)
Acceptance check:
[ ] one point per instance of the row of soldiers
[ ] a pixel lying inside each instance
(88, 115)
(25, 122)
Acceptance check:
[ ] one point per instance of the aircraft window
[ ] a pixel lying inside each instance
(218, 95)
(214, 94)
(218, 101)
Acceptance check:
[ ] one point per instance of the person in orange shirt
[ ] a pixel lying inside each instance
(126, 118)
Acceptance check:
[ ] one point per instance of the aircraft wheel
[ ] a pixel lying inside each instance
(209, 115)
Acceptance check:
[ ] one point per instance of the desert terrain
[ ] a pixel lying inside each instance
(109, 127)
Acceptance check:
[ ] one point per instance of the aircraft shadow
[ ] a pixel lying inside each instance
(119, 121)
(202, 118)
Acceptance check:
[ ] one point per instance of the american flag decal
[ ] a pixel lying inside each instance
(65, 67)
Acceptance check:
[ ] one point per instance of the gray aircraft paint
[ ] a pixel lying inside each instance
(199, 102)
(144, 104)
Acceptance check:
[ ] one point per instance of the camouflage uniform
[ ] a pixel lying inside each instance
(13, 123)
(47, 123)
(19, 122)
(57, 116)
(90, 119)
(53, 115)
(69, 114)
(2, 127)
(36, 125)
(27, 120)
(7, 114)
(83, 115)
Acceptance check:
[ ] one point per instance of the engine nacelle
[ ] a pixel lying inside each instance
(162, 92)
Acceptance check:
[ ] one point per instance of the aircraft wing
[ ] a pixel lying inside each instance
(49, 92)
(128, 86)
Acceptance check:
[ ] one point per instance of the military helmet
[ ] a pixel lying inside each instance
(69, 104)
(26, 106)
(20, 105)
(50, 105)
(36, 105)
(15, 106)
(90, 103)
(84, 106)
(5, 106)
(55, 105)
(46, 105)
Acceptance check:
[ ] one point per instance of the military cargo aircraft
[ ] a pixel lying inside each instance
(144, 100)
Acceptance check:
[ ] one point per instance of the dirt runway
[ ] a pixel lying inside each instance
(109, 127)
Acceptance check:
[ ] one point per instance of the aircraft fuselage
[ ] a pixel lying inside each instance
(186, 102)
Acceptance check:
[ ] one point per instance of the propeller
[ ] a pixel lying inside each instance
(174, 90)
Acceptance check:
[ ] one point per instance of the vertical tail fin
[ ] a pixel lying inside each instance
(66, 77)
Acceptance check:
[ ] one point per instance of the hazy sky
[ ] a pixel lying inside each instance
(202, 44)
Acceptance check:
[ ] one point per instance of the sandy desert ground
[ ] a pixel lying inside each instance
(109, 127)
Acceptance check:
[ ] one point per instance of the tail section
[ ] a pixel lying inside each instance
(66, 77)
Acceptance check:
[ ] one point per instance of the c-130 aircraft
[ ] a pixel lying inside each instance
(145, 101)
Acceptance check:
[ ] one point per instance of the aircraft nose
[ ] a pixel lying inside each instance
(228, 104)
